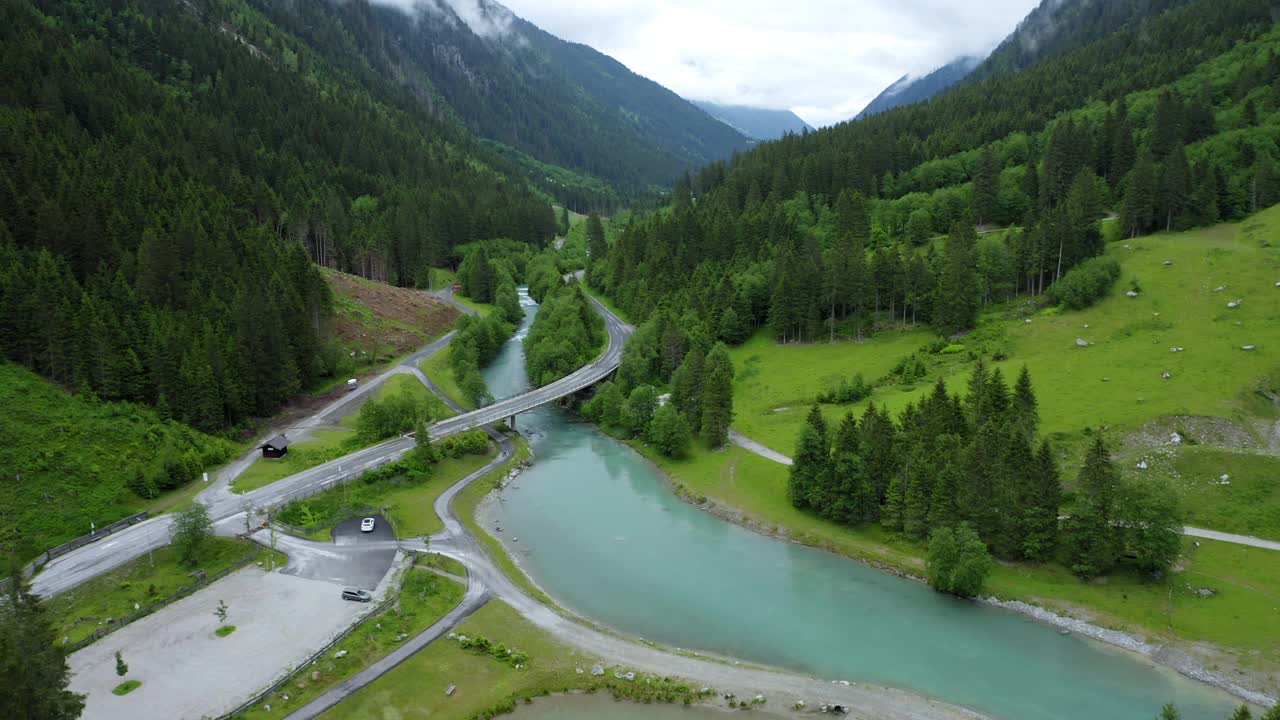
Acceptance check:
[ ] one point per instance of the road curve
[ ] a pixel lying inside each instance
(227, 509)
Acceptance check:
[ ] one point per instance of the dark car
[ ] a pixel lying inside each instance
(356, 595)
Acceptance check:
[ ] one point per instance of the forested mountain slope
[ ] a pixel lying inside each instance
(1170, 119)
(171, 171)
(908, 90)
(561, 103)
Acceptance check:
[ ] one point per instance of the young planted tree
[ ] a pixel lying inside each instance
(220, 612)
(122, 669)
(191, 532)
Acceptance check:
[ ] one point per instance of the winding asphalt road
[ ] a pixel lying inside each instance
(227, 509)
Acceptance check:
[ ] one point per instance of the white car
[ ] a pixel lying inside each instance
(366, 525)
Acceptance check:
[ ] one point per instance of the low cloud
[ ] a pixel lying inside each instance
(823, 59)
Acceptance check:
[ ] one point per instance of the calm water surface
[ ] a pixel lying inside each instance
(599, 530)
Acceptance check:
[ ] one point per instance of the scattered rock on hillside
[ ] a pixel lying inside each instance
(1142, 465)
(597, 669)
(1234, 304)
(1220, 288)
(1132, 294)
(1082, 343)
(1166, 376)
(1168, 262)
(1249, 347)
(1175, 439)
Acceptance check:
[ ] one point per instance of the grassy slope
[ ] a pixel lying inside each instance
(485, 686)
(437, 368)
(425, 598)
(76, 613)
(411, 508)
(75, 456)
(1131, 344)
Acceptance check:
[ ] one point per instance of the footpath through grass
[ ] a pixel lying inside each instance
(78, 612)
(425, 597)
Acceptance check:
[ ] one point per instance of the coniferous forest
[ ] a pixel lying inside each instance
(174, 172)
(887, 220)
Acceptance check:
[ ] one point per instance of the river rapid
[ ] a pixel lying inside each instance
(596, 526)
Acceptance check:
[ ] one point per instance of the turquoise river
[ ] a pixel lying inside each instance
(600, 531)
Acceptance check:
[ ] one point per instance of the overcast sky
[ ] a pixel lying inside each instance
(823, 59)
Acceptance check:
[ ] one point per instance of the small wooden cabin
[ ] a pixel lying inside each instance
(276, 447)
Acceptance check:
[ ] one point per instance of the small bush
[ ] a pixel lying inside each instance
(846, 391)
(126, 687)
(1086, 283)
(225, 630)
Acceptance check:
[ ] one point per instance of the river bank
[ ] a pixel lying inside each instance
(1168, 655)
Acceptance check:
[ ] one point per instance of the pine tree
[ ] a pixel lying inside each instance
(1040, 507)
(597, 245)
(918, 479)
(986, 186)
(943, 510)
(1167, 124)
(810, 466)
(958, 293)
(33, 666)
(686, 386)
(717, 397)
(1138, 210)
(1024, 412)
(879, 447)
(1094, 539)
(855, 494)
(1175, 189)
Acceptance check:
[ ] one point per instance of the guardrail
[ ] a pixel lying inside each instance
(44, 557)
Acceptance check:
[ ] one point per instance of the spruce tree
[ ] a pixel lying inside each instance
(668, 431)
(1094, 540)
(810, 466)
(717, 397)
(1138, 210)
(1175, 189)
(943, 510)
(855, 494)
(958, 292)
(1039, 507)
(1024, 412)
(986, 186)
(879, 447)
(918, 478)
(33, 665)
(686, 386)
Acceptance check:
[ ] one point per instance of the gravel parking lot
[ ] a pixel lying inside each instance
(188, 672)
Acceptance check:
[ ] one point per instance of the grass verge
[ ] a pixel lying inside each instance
(485, 686)
(425, 597)
(445, 564)
(126, 687)
(326, 445)
(225, 630)
(78, 612)
(437, 368)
